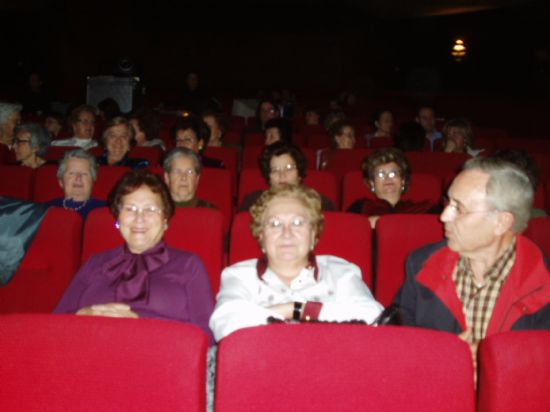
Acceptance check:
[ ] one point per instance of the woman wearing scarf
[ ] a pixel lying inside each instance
(145, 277)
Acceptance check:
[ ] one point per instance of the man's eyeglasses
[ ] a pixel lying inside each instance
(19, 141)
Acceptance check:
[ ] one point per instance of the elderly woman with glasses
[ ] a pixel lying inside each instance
(281, 164)
(31, 144)
(289, 282)
(145, 277)
(118, 139)
(387, 173)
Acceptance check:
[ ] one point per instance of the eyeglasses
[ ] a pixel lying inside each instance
(77, 174)
(285, 169)
(187, 172)
(186, 140)
(147, 211)
(459, 211)
(383, 175)
(19, 141)
(296, 224)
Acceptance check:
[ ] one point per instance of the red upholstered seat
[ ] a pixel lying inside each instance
(49, 265)
(56, 153)
(538, 231)
(346, 160)
(107, 176)
(436, 163)
(396, 237)
(16, 181)
(230, 158)
(67, 363)
(331, 367)
(152, 154)
(197, 230)
(319, 140)
(380, 142)
(345, 235)
(323, 182)
(514, 372)
(423, 186)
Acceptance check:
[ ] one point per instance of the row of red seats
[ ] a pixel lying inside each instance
(62, 362)
(61, 245)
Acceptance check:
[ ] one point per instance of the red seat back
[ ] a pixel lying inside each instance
(346, 160)
(67, 362)
(215, 187)
(152, 154)
(48, 267)
(56, 153)
(197, 230)
(16, 181)
(436, 163)
(331, 367)
(422, 187)
(514, 372)
(230, 158)
(46, 187)
(355, 229)
(396, 237)
(538, 231)
(107, 176)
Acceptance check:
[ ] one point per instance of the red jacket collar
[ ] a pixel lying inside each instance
(525, 291)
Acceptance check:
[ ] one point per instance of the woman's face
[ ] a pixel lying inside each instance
(384, 124)
(283, 171)
(117, 142)
(188, 138)
(22, 147)
(141, 219)
(346, 139)
(388, 181)
(456, 136)
(138, 133)
(287, 236)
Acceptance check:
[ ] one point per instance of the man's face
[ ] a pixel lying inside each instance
(426, 118)
(470, 223)
(267, 112)
(188, 138)
(77, 180)
(84, 127)
(183, 179)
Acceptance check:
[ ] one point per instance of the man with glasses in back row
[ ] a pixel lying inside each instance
(82, 122)
(486, 277)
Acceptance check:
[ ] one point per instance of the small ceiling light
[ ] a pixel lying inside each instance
(459, 50)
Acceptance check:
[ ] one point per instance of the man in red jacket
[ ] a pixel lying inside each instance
(485, 278)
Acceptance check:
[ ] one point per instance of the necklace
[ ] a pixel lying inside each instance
(76, 209)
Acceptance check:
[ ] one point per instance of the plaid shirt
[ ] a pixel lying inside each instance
(477, 300)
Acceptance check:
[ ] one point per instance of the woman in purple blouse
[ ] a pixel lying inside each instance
(145, 278)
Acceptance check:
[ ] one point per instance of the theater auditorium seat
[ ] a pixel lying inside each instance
(16, 181)
(396, 237)
(93, 363)
(345, 235)
(538, 231)
(331, 367)
(514, 372)
(49, 265)
(197, 230)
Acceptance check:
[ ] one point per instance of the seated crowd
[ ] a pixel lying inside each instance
(484, 278)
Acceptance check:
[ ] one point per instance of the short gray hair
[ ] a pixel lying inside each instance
(7, 109)
(39, 138)
(181, 152)
(508, 188)
(77, 154)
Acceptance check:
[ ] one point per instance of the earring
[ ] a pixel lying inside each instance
(402, 188)
(372, 189)
(117, 225)
(165, 225)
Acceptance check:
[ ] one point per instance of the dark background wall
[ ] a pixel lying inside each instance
(310, 47)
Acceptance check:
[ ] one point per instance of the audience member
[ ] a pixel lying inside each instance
(266, 110)
(387, 172)
(217, 124)
(145, 277)
(82, 121)
(76, 174)
(281, 164)
(146, 127)
(182, 172)
(31, 144)
(108, 109)
(10, 116)
(118, 138)
(342, 136)
(486, 278)
(382, 121)
(192, 133)
(277, 130)
(458, 137)
(425, 116)
(289, 282)
(35, 99)
(54, 124)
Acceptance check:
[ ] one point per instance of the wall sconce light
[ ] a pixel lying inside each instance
(459, 50)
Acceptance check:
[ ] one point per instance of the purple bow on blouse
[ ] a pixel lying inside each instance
(130, 272)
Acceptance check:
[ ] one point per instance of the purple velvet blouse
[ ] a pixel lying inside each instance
(178, 290)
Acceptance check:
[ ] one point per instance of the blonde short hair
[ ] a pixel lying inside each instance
(305, 195)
